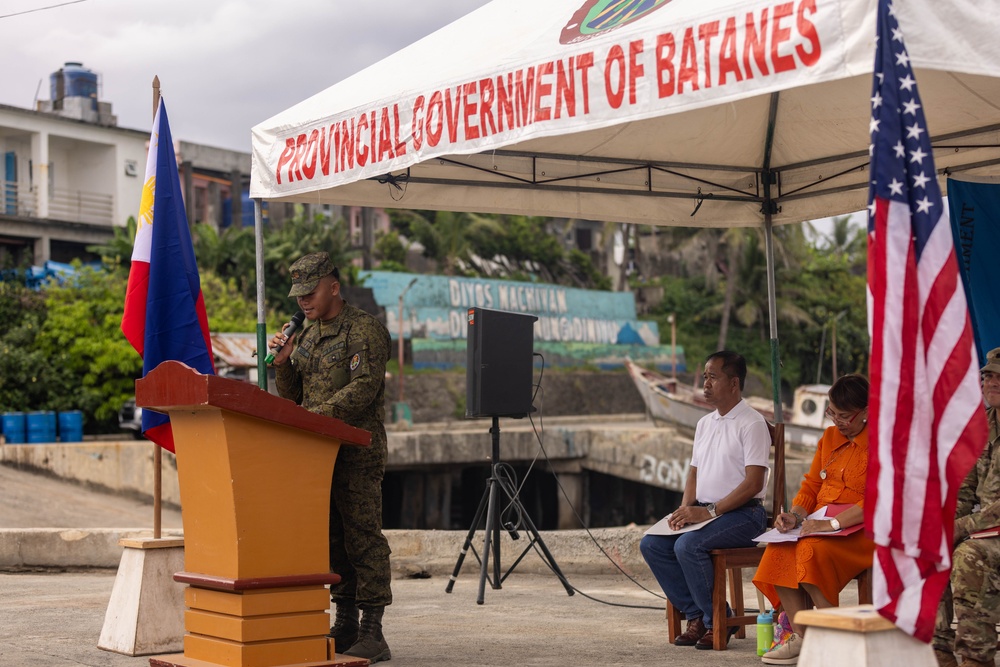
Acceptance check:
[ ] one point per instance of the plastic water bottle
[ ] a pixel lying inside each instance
(765, 632)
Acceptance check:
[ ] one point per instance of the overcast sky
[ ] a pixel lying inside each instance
(224, 65)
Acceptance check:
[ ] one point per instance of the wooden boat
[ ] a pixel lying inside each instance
(672, 402)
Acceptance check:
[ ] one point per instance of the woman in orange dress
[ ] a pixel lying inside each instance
(813, 570)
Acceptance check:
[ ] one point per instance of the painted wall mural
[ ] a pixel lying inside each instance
(583, 325)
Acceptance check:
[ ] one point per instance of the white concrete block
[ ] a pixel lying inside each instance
(860, 637)
(146, 613)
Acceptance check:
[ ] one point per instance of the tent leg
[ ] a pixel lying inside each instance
(773, 315)
(258, 228)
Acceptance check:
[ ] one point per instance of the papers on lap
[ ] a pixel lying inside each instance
(986, 532)
(662, 527)
(773, 536)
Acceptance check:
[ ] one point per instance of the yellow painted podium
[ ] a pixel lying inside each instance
(254, 473)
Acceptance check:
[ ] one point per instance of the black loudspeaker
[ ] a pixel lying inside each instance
(499, 363)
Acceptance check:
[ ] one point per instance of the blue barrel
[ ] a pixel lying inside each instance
(71, 426)
(13, 427)
(41, 427)
(50, 425)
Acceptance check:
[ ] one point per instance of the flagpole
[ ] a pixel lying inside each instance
(258, 229)
(157, 449)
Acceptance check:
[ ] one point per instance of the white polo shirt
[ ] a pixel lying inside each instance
(724, 445)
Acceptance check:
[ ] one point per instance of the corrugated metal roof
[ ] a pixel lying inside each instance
(235, 349)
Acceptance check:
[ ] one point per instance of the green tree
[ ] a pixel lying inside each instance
(94, 367)
(24, 369)
(231, 255)
(117, 252)
(389, 249)
(844, 239)
(448, 237)
(228, 310)
(297, 237)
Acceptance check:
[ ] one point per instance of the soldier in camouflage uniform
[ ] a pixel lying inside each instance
(337, 368)
(974, 593)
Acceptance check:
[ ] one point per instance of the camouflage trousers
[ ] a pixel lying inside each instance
(359, 551)
(973, 597)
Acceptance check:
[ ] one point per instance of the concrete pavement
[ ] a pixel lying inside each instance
(55, 585)
(54, 620)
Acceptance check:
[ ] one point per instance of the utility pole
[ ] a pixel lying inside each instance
(402, 349)
(672, 318)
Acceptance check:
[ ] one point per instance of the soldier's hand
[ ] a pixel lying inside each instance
(283, 341)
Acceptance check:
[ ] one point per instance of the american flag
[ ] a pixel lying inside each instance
(926, 407)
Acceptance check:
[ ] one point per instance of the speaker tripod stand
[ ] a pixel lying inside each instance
(490, 504)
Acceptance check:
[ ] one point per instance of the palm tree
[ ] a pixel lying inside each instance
(118, 251)
(448, 237)
(741, 261)
(846, 239)
(296, 237)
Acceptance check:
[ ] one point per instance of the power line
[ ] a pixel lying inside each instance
(41, 9)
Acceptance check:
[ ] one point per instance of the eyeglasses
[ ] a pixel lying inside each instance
(839, 419)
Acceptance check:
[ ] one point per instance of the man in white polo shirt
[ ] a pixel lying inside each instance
(725, 482)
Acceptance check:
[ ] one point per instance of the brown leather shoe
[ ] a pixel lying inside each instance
(695, 630)
(945, 658)
(707, 641)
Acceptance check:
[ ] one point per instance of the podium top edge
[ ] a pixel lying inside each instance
(174, 385)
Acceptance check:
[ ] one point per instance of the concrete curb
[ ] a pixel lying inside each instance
(65, 547)
(414, 552)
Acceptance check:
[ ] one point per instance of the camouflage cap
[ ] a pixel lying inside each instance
(307, 270)
(992, 361)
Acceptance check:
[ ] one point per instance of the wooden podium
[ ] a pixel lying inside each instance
(254, 473)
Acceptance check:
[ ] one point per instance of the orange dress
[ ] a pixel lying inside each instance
(829, 563)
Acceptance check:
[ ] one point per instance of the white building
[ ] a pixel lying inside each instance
(68, 175)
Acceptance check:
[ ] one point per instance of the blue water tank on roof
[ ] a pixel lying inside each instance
(73, 80)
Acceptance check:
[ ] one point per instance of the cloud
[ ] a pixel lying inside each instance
(223, 66)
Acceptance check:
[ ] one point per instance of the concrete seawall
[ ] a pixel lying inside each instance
(622, 445)
(414, 552)
(625, 447)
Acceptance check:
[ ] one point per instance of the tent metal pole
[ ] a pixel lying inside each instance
(773, 315)
(769, 208)
(258, 229)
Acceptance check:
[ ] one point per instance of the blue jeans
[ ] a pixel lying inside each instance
(681, 563)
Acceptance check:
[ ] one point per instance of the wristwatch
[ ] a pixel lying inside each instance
(711, 510)
(834, 524)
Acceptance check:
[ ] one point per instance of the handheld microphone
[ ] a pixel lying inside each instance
(293, 326)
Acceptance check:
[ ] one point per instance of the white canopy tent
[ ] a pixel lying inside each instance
(708, 113)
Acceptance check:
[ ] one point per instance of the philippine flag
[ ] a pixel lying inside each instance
(165, 316)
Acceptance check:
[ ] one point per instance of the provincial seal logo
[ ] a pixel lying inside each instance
(596, 17)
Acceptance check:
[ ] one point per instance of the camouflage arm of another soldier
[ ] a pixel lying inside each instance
(370, 341)
(988, 515)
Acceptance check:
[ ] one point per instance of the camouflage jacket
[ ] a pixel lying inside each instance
(979, 495)
(338, 369)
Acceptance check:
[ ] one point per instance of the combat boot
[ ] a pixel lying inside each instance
(371, 644)
(345, 628)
